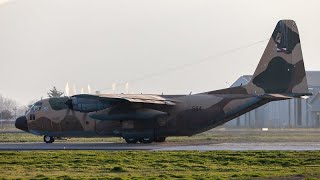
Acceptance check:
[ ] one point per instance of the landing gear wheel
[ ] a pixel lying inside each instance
(160, 139)
(146, 140)
(131, 140)
(48, 139)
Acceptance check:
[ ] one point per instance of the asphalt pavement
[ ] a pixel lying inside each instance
(282, 146)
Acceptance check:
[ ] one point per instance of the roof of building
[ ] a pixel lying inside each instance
(245, 79)
(312, 98)
(313, 78)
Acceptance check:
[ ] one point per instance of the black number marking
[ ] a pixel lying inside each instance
(196, 108)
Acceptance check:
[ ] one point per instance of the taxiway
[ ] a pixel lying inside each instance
(281, 146)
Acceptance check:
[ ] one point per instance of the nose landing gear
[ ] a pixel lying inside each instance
(48, 139)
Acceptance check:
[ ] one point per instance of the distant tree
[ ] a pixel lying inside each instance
(6, 107)
(21, 111)
(54, 92)
(6, 114)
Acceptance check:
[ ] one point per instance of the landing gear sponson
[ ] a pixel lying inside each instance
(145, 140)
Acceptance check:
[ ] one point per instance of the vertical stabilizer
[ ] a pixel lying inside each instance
(281, 68)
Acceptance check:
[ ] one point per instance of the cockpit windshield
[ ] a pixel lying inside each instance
(36, 106)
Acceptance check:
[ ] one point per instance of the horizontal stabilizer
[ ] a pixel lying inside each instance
(283, 96)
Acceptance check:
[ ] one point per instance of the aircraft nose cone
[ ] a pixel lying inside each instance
(21, 123)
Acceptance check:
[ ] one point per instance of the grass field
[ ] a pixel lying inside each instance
(159, 165)
(166, 164)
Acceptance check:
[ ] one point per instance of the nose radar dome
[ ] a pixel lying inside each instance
(21, 123)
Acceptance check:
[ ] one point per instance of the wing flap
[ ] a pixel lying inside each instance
(94, 103)
(133, 98)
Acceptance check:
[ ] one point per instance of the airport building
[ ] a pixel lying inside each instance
(294, 113)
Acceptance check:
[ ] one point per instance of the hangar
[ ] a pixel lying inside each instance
(294, 113)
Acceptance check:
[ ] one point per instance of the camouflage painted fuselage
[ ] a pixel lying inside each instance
(193, 114)
(279, 75)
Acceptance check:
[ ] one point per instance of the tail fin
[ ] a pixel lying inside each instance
(281, 68)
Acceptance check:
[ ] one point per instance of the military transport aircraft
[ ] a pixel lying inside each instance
(147, 118)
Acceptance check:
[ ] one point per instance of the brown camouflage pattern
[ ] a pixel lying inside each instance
(280, 75)
(281, 68)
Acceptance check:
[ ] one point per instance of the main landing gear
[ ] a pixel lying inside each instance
(160, 139)
(48, 139)
(131, 140)
(145, 140)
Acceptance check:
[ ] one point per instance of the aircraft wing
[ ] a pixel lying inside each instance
(132, 98)
(118, 106)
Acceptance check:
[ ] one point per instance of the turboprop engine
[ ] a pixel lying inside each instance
(87, 105)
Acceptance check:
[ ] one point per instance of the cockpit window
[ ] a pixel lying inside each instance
(58, 103)
(36, 106)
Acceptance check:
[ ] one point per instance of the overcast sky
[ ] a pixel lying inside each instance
(45, 43)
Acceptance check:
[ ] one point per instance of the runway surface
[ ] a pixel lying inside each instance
(283, 146)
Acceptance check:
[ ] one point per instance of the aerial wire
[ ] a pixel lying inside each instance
(184, 66)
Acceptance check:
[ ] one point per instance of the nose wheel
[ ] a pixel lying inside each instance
(48, 139)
